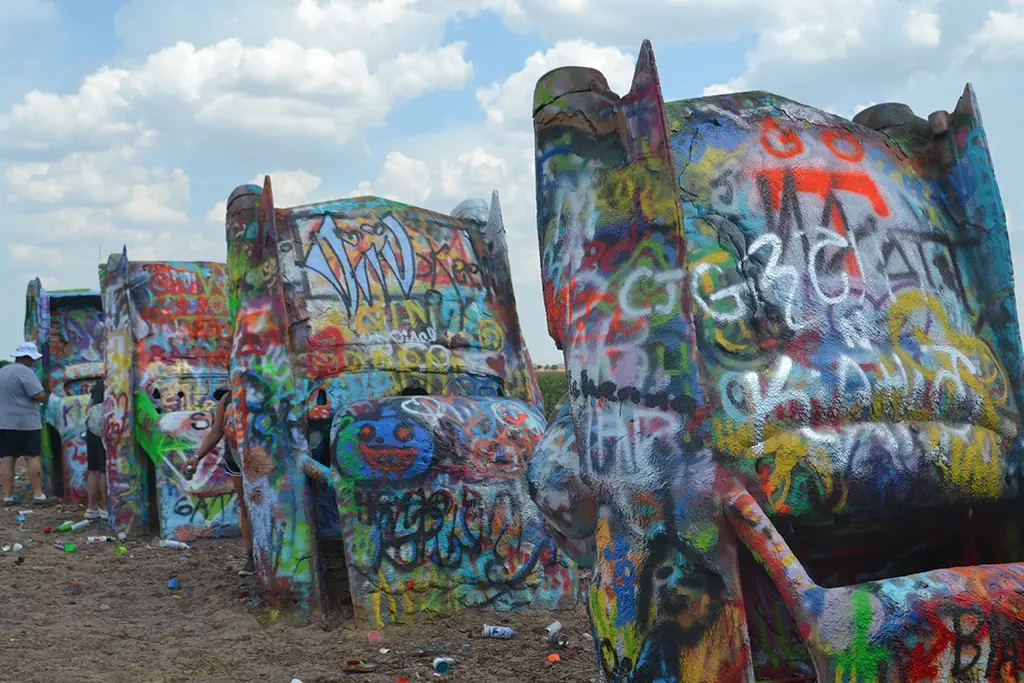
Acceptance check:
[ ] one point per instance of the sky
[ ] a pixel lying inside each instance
(129, 122)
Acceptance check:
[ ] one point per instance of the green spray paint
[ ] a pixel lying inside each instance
(148, 434)
(860, 662)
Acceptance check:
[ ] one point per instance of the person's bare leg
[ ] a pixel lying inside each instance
(35, 474)
(101, 493)
(243, 514)
(94, 490)
(7, 472)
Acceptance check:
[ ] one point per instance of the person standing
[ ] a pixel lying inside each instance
(210, 441)
(96, 455)
(21, 427)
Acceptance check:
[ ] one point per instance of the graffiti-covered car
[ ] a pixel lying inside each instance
(168, 342)
(378, 352)
(67, 327)
(795, 371)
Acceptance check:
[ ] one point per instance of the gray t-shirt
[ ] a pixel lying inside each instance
(18, 384)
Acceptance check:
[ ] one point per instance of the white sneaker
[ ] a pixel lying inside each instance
(93, 514)
(104, 515)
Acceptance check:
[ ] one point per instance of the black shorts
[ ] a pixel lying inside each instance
(230, 464)
(95, 453)
(21, 442)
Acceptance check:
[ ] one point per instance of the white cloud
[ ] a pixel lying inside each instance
(279, 88)
(97, 111)
(1001, 37)
(477, 167)
(71, 225)
(401, 178)
(32, 253)
(110, 178)
(153, 203)
(291, 188)
(217, 213)
(923, 28)
(734, 85)
(512, 99)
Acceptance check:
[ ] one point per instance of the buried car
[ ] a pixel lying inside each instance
(386, 408)
(67, 327)
(795, 371)
(168, 342)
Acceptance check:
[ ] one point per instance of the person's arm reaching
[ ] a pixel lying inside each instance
(34, 389)
(213, 436)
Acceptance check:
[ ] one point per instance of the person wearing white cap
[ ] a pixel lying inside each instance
(20, 424)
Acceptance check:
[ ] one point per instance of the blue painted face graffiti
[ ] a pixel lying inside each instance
(385, 446)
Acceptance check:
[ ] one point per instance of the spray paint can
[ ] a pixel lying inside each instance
(443, 665)
(78, 526)
(65, 526)
(99, 539)
(556, 636)
(503, 632)
(177, 545)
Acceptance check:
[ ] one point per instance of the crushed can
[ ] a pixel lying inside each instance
(556, 636)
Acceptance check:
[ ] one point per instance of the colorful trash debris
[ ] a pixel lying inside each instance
(503, 632)
(443, 665)
(358, 666)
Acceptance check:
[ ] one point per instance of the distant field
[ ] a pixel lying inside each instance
(552, 386)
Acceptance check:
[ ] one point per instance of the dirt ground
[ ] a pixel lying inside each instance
(125, 624)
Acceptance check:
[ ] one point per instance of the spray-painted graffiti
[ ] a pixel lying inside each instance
(67, 326)
(796, 331)
(434, 511)
(340, 309)
(169, 338)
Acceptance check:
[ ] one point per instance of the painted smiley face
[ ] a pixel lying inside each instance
(389, 446)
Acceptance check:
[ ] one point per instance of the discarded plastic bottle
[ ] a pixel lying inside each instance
(443, 665)
(78, 526)
(177, 545)
(503, 632)
(65, 526)
(99, 539)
